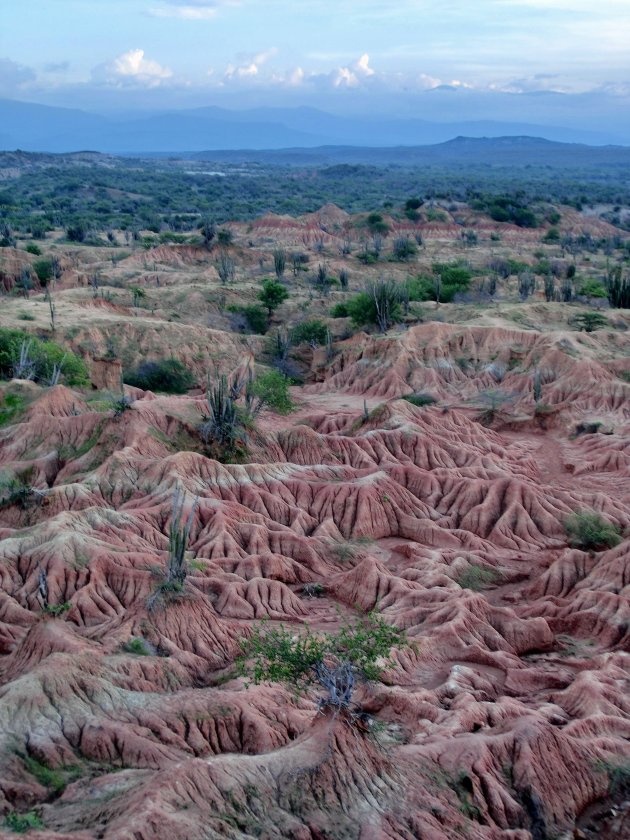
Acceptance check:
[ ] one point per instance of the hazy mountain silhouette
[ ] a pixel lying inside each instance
(34, 127)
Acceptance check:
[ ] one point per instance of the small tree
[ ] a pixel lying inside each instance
(334, 661)
(272, 295)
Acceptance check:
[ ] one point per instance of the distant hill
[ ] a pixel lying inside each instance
(41, 128)
(516, 152)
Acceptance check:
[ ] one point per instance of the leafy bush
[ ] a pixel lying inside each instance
(592, 289)
(34, 249)
(420, 399)
(379, 304)
(589, 321)
(136, 646)
(310, 331)
(332, 660)
(45, 355)
(340, 310)
(404, 248)
(476, 578)
(254, 315)
(167, 375)
(587, 530)
(21, 823)
(10, 408)
(447, 281)
(272, 388)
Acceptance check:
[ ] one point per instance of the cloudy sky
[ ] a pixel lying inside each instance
(362, 55)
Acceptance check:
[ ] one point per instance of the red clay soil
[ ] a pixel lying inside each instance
(507, 719)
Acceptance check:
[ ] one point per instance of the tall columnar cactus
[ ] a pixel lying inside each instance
(178, 538)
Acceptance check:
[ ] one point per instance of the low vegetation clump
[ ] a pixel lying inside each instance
(446, 282)
(11, 406)
(420, 399)
(477, 578)
(589, 321)
(251, 318)
(589, 531)
(167, 375)
(335, 661)
(23, 356)
(272, 390)
(378, 305)
(21, 823)
(310, 332)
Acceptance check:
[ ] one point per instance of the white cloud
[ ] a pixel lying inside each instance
(132, 68)
(362, 66)
(250, 67)
(344, 77)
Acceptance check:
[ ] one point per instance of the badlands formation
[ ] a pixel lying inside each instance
(507, 714)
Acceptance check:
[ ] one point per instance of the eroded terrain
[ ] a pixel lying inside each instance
(508, 717)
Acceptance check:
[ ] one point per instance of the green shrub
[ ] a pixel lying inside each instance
(552, 235)
(310, 331)
(420, 399)
(587, 530)
(45, 355)
(272, 388)
(11, 407)
(21, 823)
(339, 310)
(254, 315)
(593, 289)
(136, 646)
(167, 375)
(589, 321)
(34, 249)
(332, 660)
(45, 270)
(476, 578)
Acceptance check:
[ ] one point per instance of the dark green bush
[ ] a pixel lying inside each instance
(420, 399)
(255, 316)
(587, 530)
(22, 823)
(340, 310)
(167, 375)
(310, 331)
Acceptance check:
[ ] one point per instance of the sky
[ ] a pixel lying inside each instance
(568, 59)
